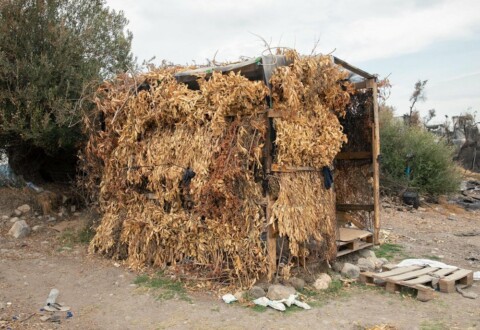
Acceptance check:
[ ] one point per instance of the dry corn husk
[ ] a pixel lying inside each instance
(214, 223)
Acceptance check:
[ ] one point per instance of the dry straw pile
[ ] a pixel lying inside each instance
(180, 171)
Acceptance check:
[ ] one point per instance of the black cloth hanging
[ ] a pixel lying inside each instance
(328, 177)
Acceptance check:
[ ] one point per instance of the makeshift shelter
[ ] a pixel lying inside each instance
(226, 171)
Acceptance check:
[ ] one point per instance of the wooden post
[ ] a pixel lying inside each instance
(376, 167)
(271, 233)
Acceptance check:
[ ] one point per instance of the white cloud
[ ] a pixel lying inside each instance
(359, 30)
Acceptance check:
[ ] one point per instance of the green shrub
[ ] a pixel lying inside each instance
(433, 169)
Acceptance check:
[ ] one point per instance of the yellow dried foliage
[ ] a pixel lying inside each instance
(212, 223)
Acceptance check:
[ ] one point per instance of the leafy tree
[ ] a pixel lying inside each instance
(53, 54)
(433, 171)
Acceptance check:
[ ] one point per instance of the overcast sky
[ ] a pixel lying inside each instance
(408, 39)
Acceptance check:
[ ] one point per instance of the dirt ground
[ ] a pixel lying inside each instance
(102, 293)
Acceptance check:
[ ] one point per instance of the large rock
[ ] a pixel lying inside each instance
(20, 229)
(367, 254)
(377, 262)
(322, 282)
(256, 292)
(366, 265)
(337, 266)
(297, 283)
(279, 292)
(25, 208)
(350, 270)
(14, 219)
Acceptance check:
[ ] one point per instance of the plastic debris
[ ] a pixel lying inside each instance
(301, 304)
(229, 298)
(275, 304)
(52, 297)
(424, 262)
(262, 301)
(69, 314)
(280, 304)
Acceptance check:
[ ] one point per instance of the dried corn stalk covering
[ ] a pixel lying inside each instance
(310, 94)
(305, 211)
(177, 174)
(180, 172)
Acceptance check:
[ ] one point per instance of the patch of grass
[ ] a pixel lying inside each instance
(215, 309)
(259, 308)
(389, 251)
(335, 287)
(86, 235)
(70, 237)
(433, 325)
(170, 289)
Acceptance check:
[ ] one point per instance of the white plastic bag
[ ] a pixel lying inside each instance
(229, 298)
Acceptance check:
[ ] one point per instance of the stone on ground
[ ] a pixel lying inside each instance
(20, 229)
(377, 262)
(297, 283)
(350, 271)
(14, 219)
(256, 292)
(366, 265)
(337, 266)
(279, 292)
(322, 282)
(25, 208)
(367, 254)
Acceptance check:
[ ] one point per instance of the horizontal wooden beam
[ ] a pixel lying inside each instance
(354, 155)
(352, 68)
(355, 207)
(292, 169)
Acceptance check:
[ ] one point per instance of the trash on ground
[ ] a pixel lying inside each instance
(280, 304)
(229, 298)
(424, 262)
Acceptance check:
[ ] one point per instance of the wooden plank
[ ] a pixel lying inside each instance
(457, 275)
(461, 276)
(397, 271)
(352, 68)
(410, 275)
(444, 272)
(419, 280)
(349, 234)
(271, 233)
(355, 207)
(348, 155)
(376, 165)
(293, 169)
(360, 246)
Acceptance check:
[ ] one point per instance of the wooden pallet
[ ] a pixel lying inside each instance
(422, 279)
(351, 240)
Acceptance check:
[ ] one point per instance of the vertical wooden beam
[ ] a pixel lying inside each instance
(376, 167)
(271, 232)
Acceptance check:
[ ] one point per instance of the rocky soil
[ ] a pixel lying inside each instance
(45, 252)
